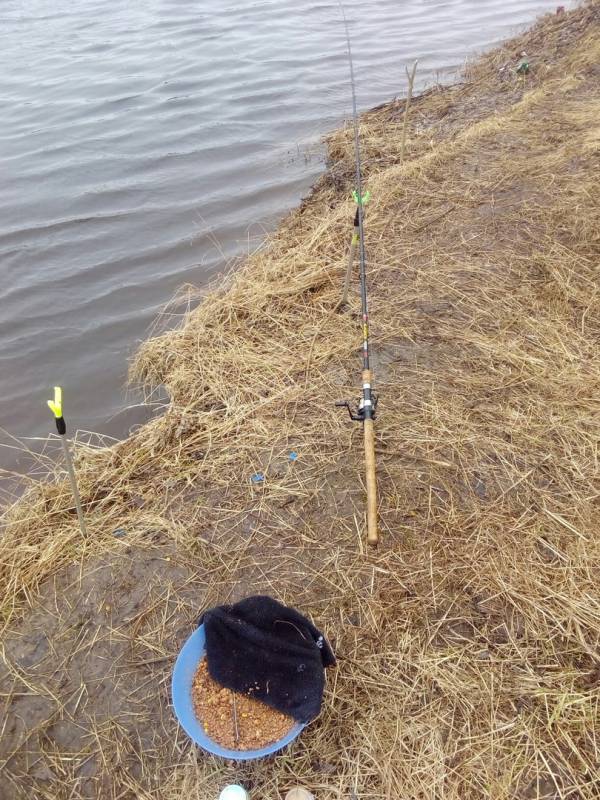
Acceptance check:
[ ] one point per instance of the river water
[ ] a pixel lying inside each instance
(144, 143)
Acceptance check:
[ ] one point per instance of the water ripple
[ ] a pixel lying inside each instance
(143, 144)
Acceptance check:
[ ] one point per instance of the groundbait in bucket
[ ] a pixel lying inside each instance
(257, 647)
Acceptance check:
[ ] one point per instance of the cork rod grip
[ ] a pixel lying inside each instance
(372, 534)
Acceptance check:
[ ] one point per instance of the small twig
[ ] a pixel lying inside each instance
(287, 622)
(353, 245)
(236, 730)
(411, 80)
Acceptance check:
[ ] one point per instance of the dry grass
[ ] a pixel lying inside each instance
(468, 644)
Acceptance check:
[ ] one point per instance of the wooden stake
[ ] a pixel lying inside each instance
(74, 489)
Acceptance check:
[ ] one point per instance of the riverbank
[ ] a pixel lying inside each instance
(467, 643)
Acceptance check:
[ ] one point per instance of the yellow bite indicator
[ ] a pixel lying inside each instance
(56, 405)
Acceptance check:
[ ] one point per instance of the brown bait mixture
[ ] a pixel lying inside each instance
(219, 709)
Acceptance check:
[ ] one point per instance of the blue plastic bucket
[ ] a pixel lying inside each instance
(183, 675)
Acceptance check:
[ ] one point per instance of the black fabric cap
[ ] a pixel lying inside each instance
(262, 647)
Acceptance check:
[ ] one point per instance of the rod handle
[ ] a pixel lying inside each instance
(372, 532)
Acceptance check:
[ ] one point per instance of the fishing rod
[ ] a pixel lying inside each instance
(365, 412)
